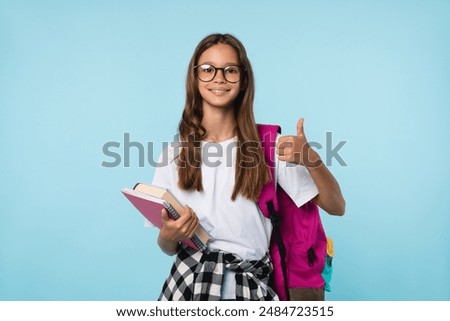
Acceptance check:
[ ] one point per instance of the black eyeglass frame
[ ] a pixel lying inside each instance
(215, 72)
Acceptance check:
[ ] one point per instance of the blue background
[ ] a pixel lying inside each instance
(76, 75)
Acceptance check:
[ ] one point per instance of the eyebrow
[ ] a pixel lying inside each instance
(210, 63)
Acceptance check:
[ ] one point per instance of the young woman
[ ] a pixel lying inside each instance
(218, 168)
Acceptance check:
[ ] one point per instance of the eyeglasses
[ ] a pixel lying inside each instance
(206, 72)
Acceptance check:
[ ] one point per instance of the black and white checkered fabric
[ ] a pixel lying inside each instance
(197, 276)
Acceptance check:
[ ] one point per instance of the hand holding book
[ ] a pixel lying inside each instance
(151, 200)
(180, 229)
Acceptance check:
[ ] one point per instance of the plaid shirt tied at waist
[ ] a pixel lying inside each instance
(197, 276)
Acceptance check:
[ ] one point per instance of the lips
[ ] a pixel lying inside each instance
(219, 90)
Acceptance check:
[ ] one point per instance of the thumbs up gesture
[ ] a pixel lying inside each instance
(295, 149)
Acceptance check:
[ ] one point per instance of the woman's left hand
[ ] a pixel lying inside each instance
(296, 149)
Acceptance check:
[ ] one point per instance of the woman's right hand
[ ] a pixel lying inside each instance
(174, 231)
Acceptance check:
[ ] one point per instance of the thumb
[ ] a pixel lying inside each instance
(300, 130)
(164, 215)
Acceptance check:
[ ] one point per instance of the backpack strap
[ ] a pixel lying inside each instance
(267, 201)
(268, 135)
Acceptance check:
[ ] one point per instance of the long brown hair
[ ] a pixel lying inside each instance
(251, 171)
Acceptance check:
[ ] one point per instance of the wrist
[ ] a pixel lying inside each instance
(168, 246)
(313, 160)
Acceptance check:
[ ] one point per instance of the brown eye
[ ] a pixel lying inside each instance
(206, 69)
(232, 70)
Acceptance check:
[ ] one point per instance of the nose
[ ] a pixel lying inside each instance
(220, 76)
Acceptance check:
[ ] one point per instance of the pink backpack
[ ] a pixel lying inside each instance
(298, 246)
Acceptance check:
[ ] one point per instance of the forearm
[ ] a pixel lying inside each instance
(295, 149)
(330, 197)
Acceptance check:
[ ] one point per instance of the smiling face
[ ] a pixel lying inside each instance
(219, 93)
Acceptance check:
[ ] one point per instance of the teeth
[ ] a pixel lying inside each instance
(218, 91)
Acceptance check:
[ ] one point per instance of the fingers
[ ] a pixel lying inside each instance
(284, 147)
(192, 228)
(285, 154)
(284, 142)
(300, 130)
(291, 148)
(165, 215)
(186, 215)
(191, 223)
(185, 226)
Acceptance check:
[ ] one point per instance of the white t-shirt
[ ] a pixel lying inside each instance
(236, 226)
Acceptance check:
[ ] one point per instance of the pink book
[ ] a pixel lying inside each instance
(151, 199)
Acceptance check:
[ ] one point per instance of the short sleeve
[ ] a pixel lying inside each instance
(296, 181)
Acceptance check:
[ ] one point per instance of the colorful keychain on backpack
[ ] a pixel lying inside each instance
(328, 269)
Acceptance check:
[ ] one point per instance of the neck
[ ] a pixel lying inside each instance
(219, 123)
